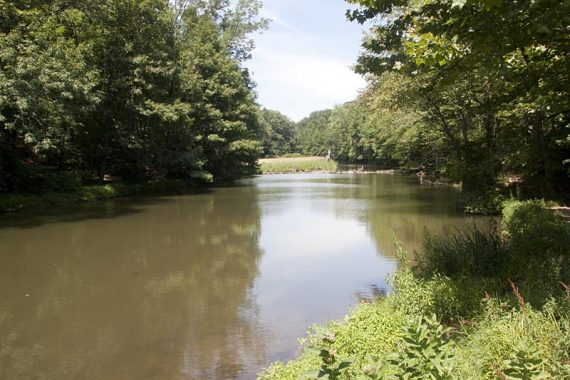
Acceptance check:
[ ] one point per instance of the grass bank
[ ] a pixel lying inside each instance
(15, 202)
(491, 305)
(283, 165)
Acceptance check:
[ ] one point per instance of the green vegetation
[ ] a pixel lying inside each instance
(478, 306)
(140, 90)
(278, 134)
(296, 165)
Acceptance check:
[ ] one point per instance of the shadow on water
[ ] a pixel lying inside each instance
(164, 292)
(77, 212)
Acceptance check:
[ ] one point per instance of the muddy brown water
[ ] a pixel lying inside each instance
(212, 285)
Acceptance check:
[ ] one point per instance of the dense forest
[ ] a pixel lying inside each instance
(137, 90)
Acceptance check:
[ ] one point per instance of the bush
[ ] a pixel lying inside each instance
(488, 203)
(539, 242)
(38, 179)
(371, 329)
(515, 342)
(470, 253)
(532, 250)
(451, 299)
(534, 230)
(425, 352)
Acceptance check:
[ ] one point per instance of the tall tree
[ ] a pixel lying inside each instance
(278, 133)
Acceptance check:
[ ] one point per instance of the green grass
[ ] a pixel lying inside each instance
(296, 165)
(15, 202)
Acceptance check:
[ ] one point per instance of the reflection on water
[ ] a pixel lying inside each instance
(213, 285)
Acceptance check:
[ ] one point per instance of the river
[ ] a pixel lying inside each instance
(211, 285)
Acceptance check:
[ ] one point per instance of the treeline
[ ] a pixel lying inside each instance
(141, 90)
(471, 91)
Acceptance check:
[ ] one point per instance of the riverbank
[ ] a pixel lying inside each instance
(493, 305)
(16, 202)
(285, 165)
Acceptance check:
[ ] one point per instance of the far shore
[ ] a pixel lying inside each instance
(313, 165)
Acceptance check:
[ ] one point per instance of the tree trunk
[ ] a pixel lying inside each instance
(541, 156)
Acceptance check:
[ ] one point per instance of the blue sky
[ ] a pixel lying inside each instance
(302, 63)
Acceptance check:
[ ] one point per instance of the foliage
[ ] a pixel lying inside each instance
(332, 366)
(538, 241)
(532, 250)
(278, 134)
(525, 363)
(371, 328)
(516, 343)
(141, 90)
(473, 253)
(312, 138)
(452, 299)
(476, 203)
(425, 352)
(534, 229)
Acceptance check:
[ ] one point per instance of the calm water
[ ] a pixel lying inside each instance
(214, 285)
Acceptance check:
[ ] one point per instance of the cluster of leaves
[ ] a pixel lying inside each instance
(138, 89)
(425, 352)
(332, 366)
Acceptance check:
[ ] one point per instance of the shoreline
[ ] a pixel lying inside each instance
(390, 171)
(14, 202)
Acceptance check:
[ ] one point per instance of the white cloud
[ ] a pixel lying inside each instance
(295, 76)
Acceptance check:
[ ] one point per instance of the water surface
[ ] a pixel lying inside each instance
(212, 285)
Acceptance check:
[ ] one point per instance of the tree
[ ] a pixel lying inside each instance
(223, 108)
(143, 90)
(493, 72)
(278, 133)
(46, 89)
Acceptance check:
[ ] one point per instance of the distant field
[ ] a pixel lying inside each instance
(296, 165)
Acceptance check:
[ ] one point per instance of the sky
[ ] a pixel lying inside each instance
(303, 62)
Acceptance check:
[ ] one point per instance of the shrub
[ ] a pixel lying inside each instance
(470, 253)
(539, 242)
(534, 230)
(532, 250)
(451, 299)
(425, 352)
(516, 343)
(488, 203)
(371, 329)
